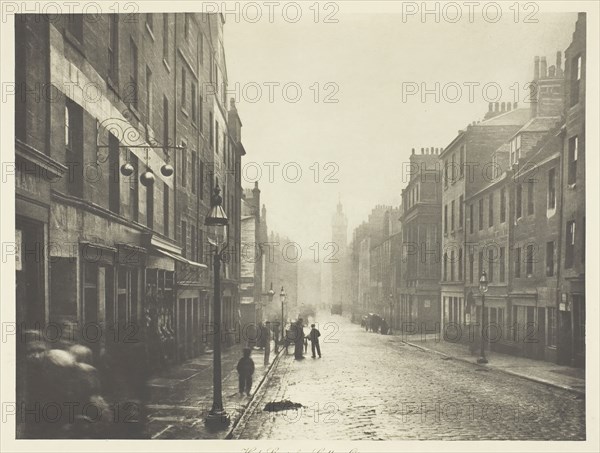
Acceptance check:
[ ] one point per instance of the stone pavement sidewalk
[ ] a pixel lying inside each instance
(565, 377)
(181, 396)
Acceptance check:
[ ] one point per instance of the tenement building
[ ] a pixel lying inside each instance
(122, 131)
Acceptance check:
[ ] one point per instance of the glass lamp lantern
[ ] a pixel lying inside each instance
(216, 221)
(483, 283)
(282, 295)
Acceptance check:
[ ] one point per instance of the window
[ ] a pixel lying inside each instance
(201, 179)
(572, 164)
(165, 121)
(200, 115)
(502, 265)
(491, 264)
(471, 219)
(194, 104)
(530, 188)
(460, 264)
(462, 161)
(183, 87)
(529, 262)
(74, 147)
(549, 259)
(201, 48)
(551, 188)
(480, 262)
(518, 262)
(114, 182)
(200, 257)
(149, 95)
(453, 171)
(75, 25)
(194, 165)
(216, 137)
(150, 206)
(551, 331)
(570, 244)
(575, 79)
(211, 130)
(183, 238)
(113, 47)
(452, 215)
(480, 214)
(193, 242)
(519, 201)
(133, 74)
(452, 265)
(471, 266)
(445, 173)
(460, 212)
(166, 213)
(183, 163)
(491, 210)
(502, 205)
(446, 219)
(445, 266)
(515, 149)
(166, 36)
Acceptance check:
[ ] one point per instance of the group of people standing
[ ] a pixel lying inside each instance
(295, 335)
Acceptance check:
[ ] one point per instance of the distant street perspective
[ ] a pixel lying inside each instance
(376, 387)
(299, 221)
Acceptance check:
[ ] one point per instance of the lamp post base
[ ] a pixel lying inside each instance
(482, 359)
(217, 419)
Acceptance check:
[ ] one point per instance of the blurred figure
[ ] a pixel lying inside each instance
(313, 336)
(245, 369)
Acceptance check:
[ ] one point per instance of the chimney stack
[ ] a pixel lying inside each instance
(508, 106)
(558, 64)
(497, 107)
(552, 71)
(503, 107)
(413, 150)
(543, 68)
(536, 68)
(515, 105)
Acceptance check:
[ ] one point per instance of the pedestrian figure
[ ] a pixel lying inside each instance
(245, 369)
(267, 340)
(299, 340)
(313, 336)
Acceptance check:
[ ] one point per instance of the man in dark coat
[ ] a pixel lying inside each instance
(299, 340)
(313, 336)
(245, 369)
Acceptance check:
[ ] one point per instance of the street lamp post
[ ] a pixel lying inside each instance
(217, 225)
(483, 288)
(282, 298)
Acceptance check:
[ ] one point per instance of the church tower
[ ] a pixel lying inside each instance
(338, 260)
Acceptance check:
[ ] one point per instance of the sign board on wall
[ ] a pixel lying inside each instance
(18, 240)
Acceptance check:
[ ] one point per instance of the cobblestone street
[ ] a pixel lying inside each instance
(374, 387)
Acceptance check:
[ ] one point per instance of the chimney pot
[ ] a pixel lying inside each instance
(536, 68)
(503, 107)
(508, 106)
(413, 150)
(543, 68)
(515, 105)
(490, 107)
(552, 71)
(497, 107)
(558, 62)
(422, 150)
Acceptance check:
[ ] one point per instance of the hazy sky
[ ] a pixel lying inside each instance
(369, 132)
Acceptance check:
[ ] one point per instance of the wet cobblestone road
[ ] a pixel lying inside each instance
(374, 387)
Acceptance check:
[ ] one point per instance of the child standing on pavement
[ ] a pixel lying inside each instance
(245, 369)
